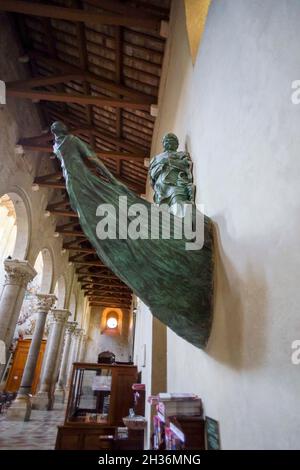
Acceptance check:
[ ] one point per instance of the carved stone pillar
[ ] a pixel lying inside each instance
(21, 408)
(73, 354)
(82, 348)
(60, 386)
(44, 398)
(17, 275)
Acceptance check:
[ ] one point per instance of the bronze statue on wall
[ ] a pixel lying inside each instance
(171, 176)
(176, 283)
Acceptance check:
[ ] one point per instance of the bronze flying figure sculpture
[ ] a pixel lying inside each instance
(176, 283)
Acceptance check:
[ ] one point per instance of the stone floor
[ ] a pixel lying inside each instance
(38, 433)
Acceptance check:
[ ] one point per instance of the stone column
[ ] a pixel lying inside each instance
(60, 386)
(73, 354)
(82, 348)
(44, 398)
(17, 275)
(21, 408)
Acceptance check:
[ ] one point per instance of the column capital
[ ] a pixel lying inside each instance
(18, 272)
(45, 302)
(78, 331)
(59, 315)
(71, 326)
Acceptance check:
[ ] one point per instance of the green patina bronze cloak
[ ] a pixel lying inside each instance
(175, 283)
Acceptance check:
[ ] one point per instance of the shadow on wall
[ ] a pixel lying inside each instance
(238, 336)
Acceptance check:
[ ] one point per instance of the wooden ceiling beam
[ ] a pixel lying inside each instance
(106, 293)
(118, 71)
(87, 263)
(124, 306)
(101, 274)
(123, 9)
(101, 285)
(82, 250)
(38, 95)
(44, 81)
(109, 297)
(98, 296)
(84, 65)
(61, 213)
(55, 205)
(52, 50)
(114, 155)
(70, 233)
(76, 14)
(104, 283)
(111, 302)
(51, 185)
(92, 78)
(52, 176)
(106, 289)
(67, 225)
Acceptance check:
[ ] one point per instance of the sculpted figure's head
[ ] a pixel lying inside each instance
(170, 142)
(58, 128)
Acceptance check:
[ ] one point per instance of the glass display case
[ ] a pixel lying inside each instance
(100, 397)
(91, 396)
(100, 393)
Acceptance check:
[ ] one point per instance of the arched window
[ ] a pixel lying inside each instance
(111, 321)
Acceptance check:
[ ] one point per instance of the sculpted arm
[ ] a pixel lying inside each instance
(87, 152)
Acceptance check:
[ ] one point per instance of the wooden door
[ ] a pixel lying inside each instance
(16, 371)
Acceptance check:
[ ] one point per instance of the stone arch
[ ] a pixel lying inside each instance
(60, 292)
(44, 268)
(14, 226)
(16, 205)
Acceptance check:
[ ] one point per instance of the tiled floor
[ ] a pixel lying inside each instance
(38, 433)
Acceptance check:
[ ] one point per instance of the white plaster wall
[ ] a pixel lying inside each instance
(233, 112)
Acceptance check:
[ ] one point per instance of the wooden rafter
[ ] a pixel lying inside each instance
(75, 14)
(110, 303)
(61, 213)
(39, 95)
(69, 69)
(70, 233)
(29, 145)
(45, 81)
(119, 297)
(117, 6)
(118, 67)
(82, 250)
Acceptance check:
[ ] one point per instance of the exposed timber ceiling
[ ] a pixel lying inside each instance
(95, 65)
